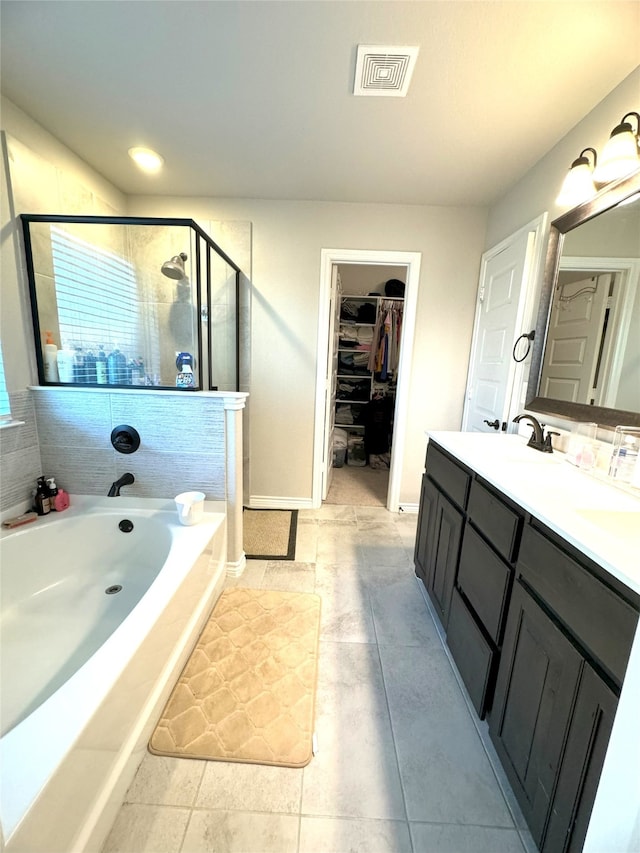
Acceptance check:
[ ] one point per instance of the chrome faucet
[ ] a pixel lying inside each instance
(126, 480)
(538, 440)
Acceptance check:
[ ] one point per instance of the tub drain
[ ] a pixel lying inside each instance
(111, 590)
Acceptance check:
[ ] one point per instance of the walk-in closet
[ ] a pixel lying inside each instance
(368, 331)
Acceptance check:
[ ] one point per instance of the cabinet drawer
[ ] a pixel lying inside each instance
(484, 579)
(602, 621)
(498, 522)
(450, 477)
(472, 653)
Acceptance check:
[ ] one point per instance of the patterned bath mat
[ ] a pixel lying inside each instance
(247, 692)
(270, 534)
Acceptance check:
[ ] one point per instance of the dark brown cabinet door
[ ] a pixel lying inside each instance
(537, 682)
(447, 535)
(424, 534)
(581, 765)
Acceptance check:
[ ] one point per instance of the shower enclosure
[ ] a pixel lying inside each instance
(122, 301)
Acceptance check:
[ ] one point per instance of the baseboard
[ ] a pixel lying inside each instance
(237, 567)
(267, 502)
(413, 508)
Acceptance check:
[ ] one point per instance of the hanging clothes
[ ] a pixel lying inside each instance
(377, 425)
(385, 347)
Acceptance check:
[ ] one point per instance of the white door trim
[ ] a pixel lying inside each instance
(620, 323)
(329, 257)
(529, 296)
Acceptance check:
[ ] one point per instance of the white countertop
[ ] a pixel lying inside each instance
(599, 519)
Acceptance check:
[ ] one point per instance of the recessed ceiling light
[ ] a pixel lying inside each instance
(146, 159)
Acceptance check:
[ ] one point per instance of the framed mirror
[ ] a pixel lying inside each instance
(586, 357)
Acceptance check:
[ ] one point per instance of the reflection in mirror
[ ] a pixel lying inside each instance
(586, 363)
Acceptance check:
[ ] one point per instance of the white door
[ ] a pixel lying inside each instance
(498, 315)
(331, 383)
(574, 339)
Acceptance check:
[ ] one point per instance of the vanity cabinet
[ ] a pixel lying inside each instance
(540, 634)
(467, 539)
(445, 487)
(537, 681)
(567, 641)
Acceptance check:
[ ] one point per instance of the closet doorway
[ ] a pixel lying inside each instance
(340, 370)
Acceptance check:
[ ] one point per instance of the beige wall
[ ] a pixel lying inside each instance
(537, 190)
(54, 181)
(368, 278)
(287, 239)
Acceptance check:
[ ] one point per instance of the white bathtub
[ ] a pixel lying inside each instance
(86, 673)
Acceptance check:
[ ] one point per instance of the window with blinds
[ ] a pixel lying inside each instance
(96, 294)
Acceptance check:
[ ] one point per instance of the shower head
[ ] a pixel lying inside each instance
(175, 267)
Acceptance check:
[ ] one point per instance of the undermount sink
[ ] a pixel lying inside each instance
(617, 522)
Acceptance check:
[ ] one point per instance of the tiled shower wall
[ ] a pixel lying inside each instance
(182, 443)
(182, 437)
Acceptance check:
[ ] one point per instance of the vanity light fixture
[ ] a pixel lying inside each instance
(146, 159)
(621, 154)
(578, 184)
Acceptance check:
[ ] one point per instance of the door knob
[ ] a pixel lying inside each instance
(495, 424)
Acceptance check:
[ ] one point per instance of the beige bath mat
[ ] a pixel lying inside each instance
(247, 692)
(270, 534)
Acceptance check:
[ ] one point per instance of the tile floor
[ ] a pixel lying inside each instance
(402, 764)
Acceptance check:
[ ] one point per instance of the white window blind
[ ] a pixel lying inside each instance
(97, 295)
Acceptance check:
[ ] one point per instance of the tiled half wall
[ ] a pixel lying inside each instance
(182, 443)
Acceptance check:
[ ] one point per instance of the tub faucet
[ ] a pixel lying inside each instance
(538, 439)
(125, 480)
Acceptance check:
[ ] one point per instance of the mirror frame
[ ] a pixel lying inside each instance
(607, 198)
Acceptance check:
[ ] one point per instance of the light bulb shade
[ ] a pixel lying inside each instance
(578, 185)
(620, 155)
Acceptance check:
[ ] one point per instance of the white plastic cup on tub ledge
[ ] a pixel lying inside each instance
(190, 506)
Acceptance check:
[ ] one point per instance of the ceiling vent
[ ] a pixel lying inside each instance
(384, 71)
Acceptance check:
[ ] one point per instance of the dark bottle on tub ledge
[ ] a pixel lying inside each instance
(42, 499)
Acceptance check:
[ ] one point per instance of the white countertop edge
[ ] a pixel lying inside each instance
(510, 467)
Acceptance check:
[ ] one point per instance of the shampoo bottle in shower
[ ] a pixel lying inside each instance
(101, 367)
(185, 377)
(50, 359)
(116, 368)
(66, 360)
(90, 368)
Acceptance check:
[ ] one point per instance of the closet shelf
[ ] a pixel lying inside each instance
(362, 381)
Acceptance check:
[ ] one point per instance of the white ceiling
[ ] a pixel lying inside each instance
(253, 99)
